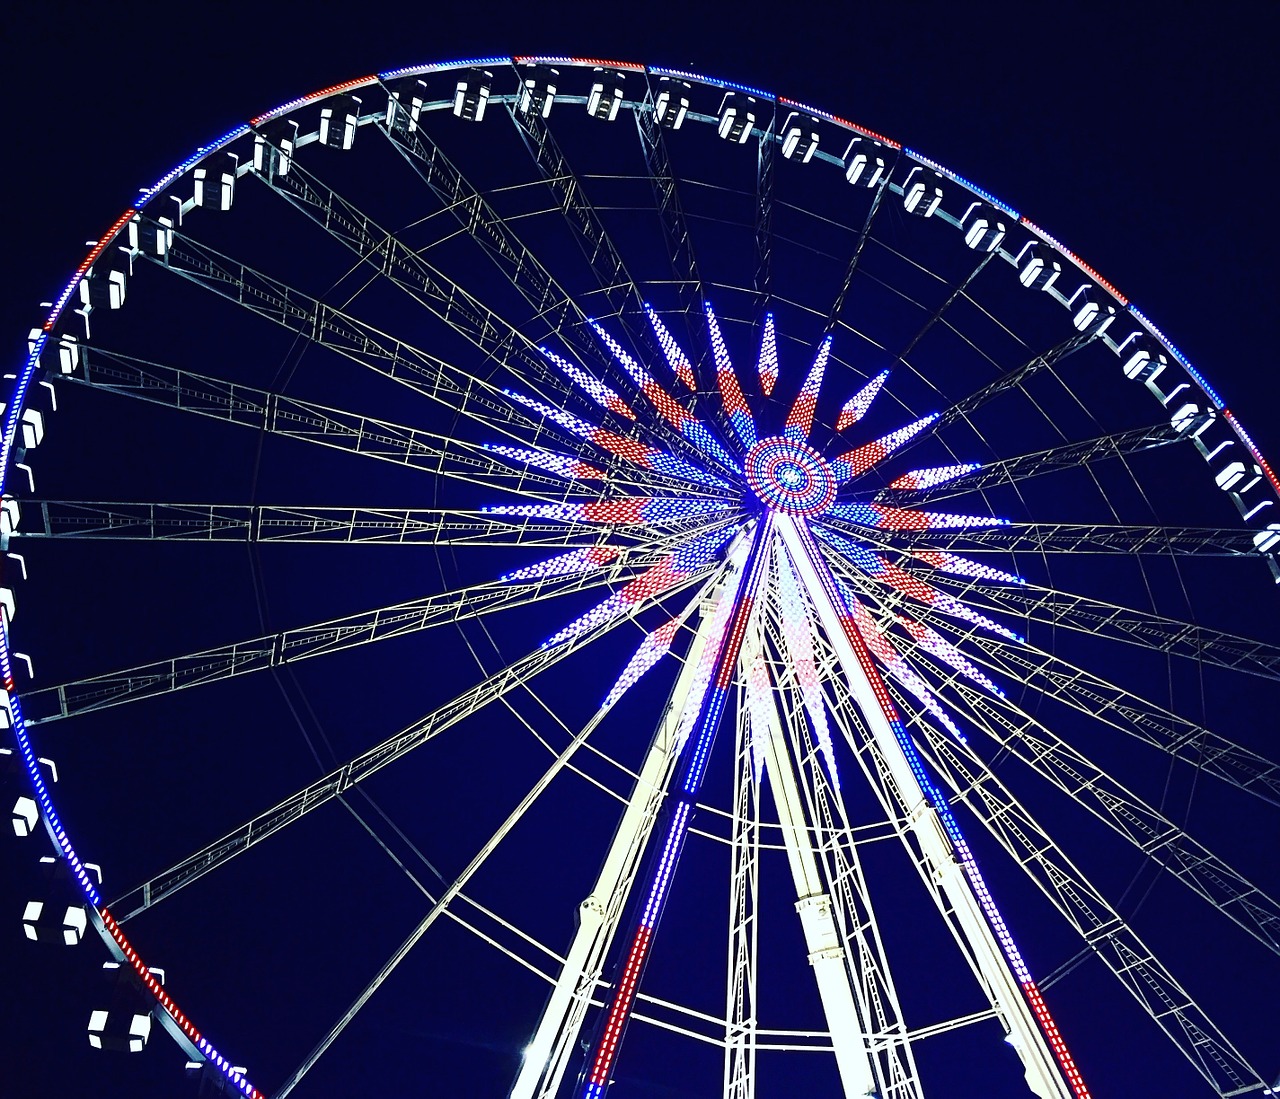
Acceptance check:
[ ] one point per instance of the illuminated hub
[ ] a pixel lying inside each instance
(788, 476)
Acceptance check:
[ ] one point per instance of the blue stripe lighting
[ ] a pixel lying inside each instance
(713, 80)
(964, 183)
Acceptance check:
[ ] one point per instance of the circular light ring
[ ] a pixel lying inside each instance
(789, 476)
(32, 367)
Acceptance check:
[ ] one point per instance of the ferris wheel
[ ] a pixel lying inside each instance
(597, 576)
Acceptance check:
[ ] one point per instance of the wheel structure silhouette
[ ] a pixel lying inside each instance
(549, 573)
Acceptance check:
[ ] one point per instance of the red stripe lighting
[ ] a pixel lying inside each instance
(1076, 260)
(323, 93)
(842, 122)
(171, 1009)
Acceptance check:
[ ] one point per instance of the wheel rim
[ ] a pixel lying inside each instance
(742, 307)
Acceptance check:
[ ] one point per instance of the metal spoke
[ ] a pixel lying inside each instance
(837, 306)
(616, 284)
(1109, 703)
(1154, 632)
(1098, 923)
(513, 677)
(440, 905)
(1150, 831)
(957, 291)
(1013, 379)
(1068, 538)
(440, 455)
(207, 522)
(317, 639)
(499, 339)
(471, 397)
(675, 227)
(1015, 470)
(766, 155)
(551, 304)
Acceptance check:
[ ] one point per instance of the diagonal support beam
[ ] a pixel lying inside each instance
(304, 642)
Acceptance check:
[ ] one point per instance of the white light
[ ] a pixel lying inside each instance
(25, 816)
(98, 1022)
(73, 924)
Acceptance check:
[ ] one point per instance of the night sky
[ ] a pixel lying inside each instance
(1140, 135)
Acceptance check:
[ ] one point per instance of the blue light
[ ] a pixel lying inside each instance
(437, 66)
(713, 80)
(1208, 389)
(191, 161)
(964, 183)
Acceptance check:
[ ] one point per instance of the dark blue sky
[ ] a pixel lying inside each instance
(1139, 135)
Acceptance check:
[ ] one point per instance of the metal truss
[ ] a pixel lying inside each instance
(317, 639)
(555, 1040)
(1154, 632)
(1091, 694)
(1069, 538)
(463, 393)
(1099, 924)
(932, 851)
(552, 306)
(514, 676)
(741, 1031)
(1015, 470)
(869, 1033)
(675, 227)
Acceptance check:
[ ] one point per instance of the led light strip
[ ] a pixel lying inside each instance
(800, 418)
(687, 560)
(767, 363)
(711, 707)
(854, 463)
(735, 405)
(856, 406)
(676, 358)
(667, 406)
(653, 648)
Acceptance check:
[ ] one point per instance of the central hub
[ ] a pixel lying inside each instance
(789, 476)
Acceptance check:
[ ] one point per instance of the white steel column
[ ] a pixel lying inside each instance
(1002, 988)
(826, 950)
(556, 1039)
(740, 996)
